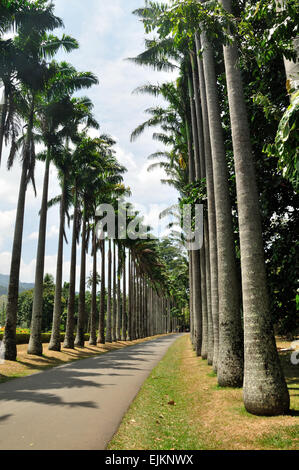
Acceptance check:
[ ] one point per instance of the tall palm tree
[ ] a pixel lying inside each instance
(265, 390)
(211, 208)
(101, 337)
(26, 19)
(230, 356)
(81, 114)
(52, 117)
(109, 306)
(33, 84)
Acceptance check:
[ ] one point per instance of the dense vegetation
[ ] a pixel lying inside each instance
(230, 125)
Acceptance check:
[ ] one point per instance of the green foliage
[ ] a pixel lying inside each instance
(286, 145)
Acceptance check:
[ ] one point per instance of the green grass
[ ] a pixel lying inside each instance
(157, 418)
(158, 424)
(181, 407)
(280, 440)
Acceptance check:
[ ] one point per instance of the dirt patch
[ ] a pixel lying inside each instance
(220, 413)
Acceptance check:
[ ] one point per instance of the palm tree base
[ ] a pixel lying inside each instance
(35, 349)
(54, 347)
(267, 406)
(68, 345)
(10, 352)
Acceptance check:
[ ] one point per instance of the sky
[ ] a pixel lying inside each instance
(108, 33)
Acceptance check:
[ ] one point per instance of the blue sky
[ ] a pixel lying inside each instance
(108, 33)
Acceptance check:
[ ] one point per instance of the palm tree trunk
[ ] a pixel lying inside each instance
(101, 338)
(265, 390)
(70, 322)
(194, 130)
(129, 297)
(230, 357)
(13, 288)
(124, 303)
(211, 209)
(3, 114)
(109, 322)
(191, 299)
(55, 341)
(114, 306)
(93, 314)
(209, 303)
(200, 174)
(118, 318)
(79, 341)
(35, 346)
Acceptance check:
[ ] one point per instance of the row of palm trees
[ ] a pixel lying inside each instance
(230, 319)
(39, 107)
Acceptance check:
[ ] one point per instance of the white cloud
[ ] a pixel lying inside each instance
(52, 232)
(7, 220)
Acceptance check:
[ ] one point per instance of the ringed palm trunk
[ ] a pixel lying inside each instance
(70, 322)
(191, 299)
(109, 319)
(3, 114)
(195, 255)
(101, 338)
(230, 357)
(118, 318)
(55, 341)
(79, 341)
(209, 303)
(124, 303)
(35, 346)
(129, 297)
(13, 288)
(93, 314)
(200, 174)
(213, 258)
(14, 278)
(114, 306)
(265, 390)
(194, 130)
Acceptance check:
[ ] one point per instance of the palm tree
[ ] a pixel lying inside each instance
(32, 85)
(230, 356)
(109, 310)
(265, 390)
(114, 304)
(101, 337)
(81, 113)
(94, 283)
(53, 114)
(17, 62)
(213, 259)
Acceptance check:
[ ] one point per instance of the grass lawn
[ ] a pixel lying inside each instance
(180, 407)
(27, 364)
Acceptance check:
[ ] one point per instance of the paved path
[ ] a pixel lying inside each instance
(77, 406)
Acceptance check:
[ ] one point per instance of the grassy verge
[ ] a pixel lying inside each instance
(27, 364)
(180, 407)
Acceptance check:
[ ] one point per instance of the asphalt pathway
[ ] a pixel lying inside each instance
(77, 406)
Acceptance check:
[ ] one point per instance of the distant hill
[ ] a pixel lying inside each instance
(4, 281)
